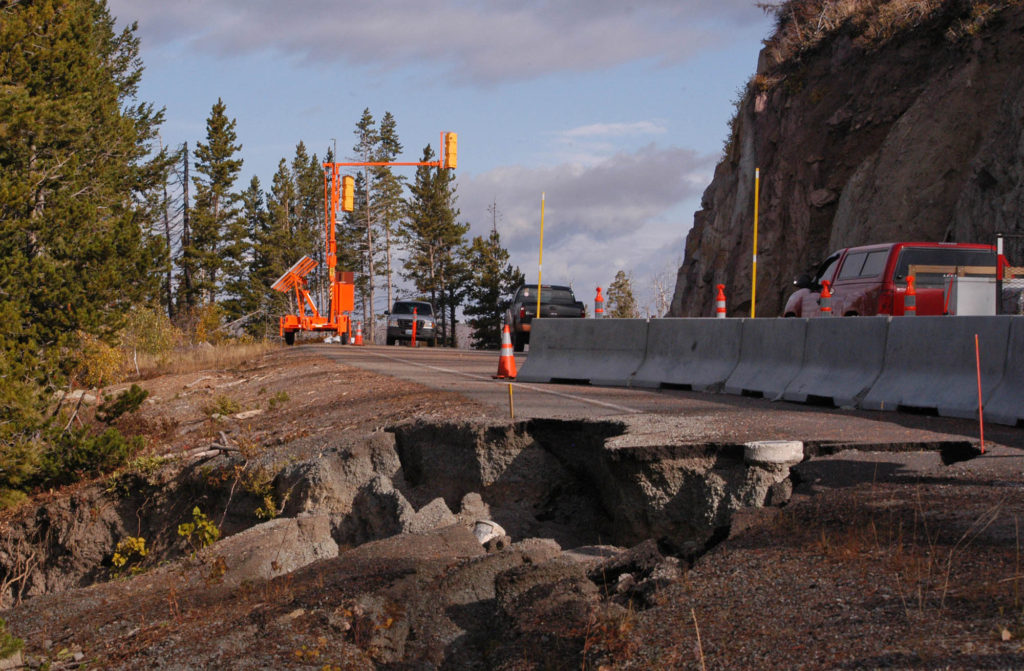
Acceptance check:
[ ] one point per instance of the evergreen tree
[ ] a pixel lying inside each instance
(366, 217)
(308, 219)
(279, 249)
(244, 289)
(217, 169)
(494, 281)
(388, 195)
(621, 303)
(76, 162)
(435, 243)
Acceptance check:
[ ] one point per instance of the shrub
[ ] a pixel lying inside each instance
(127, 401)
(79, 454)
(200, 532)
(280, 398)
(129, 555)
(223, 405)
(149, 332)
(97, 362)
(8, 644)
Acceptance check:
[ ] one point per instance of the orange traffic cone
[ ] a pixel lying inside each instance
(720, 302)
(359, 334)
(825, 301)
(507, 362)
(910, 299)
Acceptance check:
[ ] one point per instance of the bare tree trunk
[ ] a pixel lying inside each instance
(170, 263)
(370, 269)
(387, 251)
(186, 235)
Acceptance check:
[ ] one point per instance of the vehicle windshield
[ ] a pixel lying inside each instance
(826, 268)
(549, 295)
(931, 265)
(405, 308)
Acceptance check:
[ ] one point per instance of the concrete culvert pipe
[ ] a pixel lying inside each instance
(774, 452)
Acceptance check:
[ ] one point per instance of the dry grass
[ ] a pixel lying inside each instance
(801, 25)
(225, 355)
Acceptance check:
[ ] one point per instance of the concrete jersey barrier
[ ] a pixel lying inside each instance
(696, 354)
(930, 364)
(600, 351)
(1006, 406)
(771, 353)
(842, 358)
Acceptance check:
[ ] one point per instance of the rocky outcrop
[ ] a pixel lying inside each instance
(863, 137)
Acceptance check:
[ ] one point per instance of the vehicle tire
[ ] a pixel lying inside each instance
(518, 343)
(344, 338)
(289, 337)
(790, 314)
(432, 342)
(390, 340)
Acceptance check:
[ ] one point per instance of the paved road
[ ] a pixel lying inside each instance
(689, 416)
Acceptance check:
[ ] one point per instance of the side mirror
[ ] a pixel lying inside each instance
(803, 281)
(387, 312)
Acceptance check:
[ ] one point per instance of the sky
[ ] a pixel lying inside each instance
(614, 112)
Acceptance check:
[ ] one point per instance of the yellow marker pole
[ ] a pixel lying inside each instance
(753, 278)
(511, 404)
(540, 261)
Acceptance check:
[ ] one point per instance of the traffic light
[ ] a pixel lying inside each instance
(348, 193)
(451, 152)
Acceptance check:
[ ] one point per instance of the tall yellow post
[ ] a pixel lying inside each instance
(540, 261)
(753, 278)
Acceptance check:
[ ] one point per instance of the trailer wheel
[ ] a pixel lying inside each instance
(344, 338)
(289, 337)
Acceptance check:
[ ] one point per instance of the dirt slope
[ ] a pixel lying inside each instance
(858, 560)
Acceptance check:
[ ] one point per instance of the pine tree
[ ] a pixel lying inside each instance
(389, 192)
(217, 169)
(366, 217)
(243, 293)
(308, 220)
(621, 303)
(435, 242)
(494, 281)
(76, 164)
(278, 245)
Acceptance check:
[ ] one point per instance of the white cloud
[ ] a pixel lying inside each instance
(615, 129)
(631, 211)
(471, 40)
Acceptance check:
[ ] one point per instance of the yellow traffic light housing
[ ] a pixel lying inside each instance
(348, 193)
(451, 150)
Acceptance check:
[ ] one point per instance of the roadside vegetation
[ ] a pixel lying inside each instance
(122, 258)
(801, 25)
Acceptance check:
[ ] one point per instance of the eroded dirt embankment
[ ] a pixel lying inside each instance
(535, 508)
(357, 539)
(560, 480)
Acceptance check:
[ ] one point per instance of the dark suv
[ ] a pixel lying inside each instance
(555, 301)
(400, 322)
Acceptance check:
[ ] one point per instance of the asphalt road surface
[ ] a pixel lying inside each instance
(689, 416)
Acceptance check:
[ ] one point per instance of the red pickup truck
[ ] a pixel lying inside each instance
(872, 280)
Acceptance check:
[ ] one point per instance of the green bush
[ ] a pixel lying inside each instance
(200, 532)
(79, 454)
(127, 401)
(8, 644)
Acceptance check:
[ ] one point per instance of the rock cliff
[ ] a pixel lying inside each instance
(870, 122)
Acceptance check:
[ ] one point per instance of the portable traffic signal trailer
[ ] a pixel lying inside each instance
(339, 191)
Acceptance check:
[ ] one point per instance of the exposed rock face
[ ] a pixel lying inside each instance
(919, 136)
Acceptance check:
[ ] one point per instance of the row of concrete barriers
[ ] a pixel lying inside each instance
(872, 363)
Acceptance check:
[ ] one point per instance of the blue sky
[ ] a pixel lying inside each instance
(617, 111)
